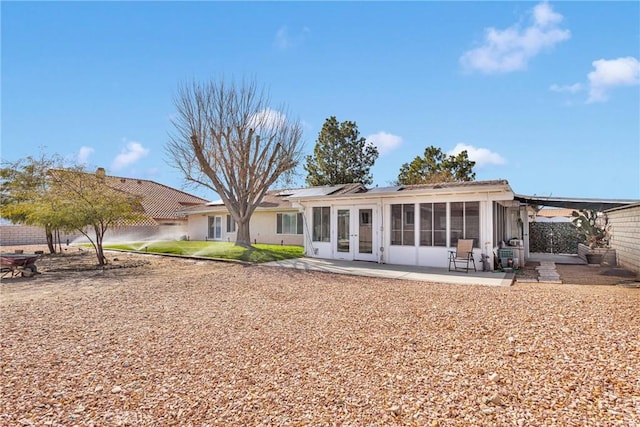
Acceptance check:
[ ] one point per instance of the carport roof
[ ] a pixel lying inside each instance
(575, 203)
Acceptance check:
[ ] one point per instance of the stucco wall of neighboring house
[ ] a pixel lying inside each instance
(625, 235)
(11, 235)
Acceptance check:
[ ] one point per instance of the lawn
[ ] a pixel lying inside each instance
(258, 253)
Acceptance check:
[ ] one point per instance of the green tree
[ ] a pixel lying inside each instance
(340, 156)
(87, 204)
(227, 138)
(435, 166)
(23, 194)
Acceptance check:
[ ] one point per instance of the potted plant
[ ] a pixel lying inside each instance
(592, 227)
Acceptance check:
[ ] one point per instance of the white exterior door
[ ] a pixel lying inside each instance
(356, 237)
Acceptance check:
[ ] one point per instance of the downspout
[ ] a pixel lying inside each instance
(381, 259)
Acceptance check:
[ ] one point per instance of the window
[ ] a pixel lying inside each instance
(433, 224)
(289, 223)
(403, 224)
(465, 222)
(321, 224)
(231, 224)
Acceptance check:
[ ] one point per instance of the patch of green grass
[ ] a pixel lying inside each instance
(257, 253)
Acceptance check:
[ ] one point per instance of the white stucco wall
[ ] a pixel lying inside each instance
(262, 228)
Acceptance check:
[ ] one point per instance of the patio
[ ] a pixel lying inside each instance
(393, 271)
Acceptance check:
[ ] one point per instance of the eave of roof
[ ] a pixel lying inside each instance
(574, 202)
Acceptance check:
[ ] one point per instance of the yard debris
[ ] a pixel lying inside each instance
(173, 343)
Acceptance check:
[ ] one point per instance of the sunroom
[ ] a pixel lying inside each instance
(411, 225)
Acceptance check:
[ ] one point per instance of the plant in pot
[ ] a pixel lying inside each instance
(592, 228)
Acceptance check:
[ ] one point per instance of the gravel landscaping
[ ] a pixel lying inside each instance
(170, 341)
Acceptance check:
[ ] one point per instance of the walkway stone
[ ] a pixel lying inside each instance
(547, 272)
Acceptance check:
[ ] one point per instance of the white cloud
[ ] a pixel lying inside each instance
(482, 156)
(610, 73)
(508, 50)
(283, 40)
(384, 141)
(267, 119)
(133, 152)
(574, 88)
(83, 154)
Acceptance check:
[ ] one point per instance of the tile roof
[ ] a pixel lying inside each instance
(551, 213)
(160, 202)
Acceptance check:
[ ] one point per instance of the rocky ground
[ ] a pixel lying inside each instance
(169, 341)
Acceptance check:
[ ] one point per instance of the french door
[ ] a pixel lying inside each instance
(215, 227)
(356, 233)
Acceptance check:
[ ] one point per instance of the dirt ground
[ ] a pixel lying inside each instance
(167, 341)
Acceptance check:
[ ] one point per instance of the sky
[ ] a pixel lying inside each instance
(545, 95)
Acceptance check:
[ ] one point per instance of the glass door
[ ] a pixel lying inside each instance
(215, 227)
(365, 231)
(365, 236)
(356, 234)
(344, 236)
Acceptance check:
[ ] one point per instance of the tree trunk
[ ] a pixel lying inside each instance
(50, 243)
(99, 251)
(243, 236)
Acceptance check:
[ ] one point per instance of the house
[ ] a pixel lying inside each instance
(409, 225)
(162, 206)
(275, 221)
(550, 215)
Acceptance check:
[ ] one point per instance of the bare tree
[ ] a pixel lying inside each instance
(228, 139)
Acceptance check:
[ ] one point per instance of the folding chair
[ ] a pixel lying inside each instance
(463, 255)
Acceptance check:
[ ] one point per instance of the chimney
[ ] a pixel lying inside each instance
(101, 173)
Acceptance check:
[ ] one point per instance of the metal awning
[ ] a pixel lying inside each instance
(574, 203)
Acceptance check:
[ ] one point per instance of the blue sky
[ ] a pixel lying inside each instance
(545, 95)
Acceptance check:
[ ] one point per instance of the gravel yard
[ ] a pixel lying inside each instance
(170, 341)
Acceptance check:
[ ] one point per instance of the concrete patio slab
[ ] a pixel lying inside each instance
(401, 272)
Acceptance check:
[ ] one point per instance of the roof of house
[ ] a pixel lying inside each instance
(402, 190)
(552, 213)
(160, 202)
(278, 199)
(284, 198)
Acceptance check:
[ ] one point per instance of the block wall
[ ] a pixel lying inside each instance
(13, 235)
(625, 236)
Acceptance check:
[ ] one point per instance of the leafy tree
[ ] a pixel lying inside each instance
(340, 156)
(87, 204)
(435, 166)
(23, 194)
(227, 138)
